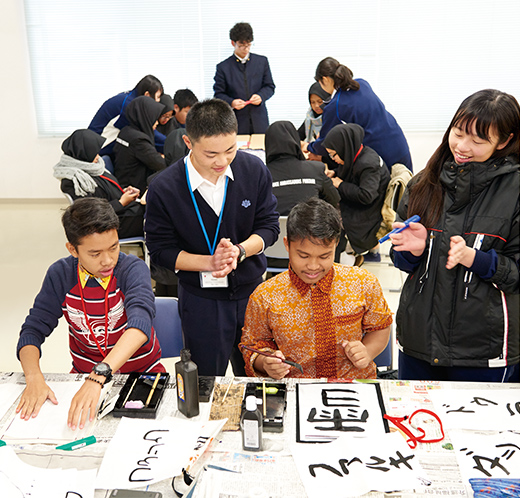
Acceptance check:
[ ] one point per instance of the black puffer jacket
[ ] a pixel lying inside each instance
(454, 317)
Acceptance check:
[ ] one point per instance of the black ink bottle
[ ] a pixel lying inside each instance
(252, 426)
(187, 375)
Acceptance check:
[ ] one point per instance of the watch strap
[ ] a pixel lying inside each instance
(242, 254)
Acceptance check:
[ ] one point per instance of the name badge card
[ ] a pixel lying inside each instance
(207, 280)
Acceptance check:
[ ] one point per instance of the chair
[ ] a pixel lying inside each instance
(277, 250)
(167, 325)
(108, 163)
(385, 358)
(69, 198)
(137, 241)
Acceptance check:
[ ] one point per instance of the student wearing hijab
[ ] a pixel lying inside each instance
(311, 127)
(135, 155)
(110, 117)
(82, 173)
(361, 178)
(166, 125)
(294, 178)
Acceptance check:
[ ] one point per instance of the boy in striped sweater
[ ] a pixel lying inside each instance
(107, 300)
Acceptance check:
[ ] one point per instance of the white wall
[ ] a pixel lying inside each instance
(26, 159)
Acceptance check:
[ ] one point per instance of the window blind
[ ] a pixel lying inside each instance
(422, 58)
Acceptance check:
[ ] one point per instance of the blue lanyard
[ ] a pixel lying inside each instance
(210, 247)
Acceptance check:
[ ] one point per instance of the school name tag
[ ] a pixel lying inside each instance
(207, 280)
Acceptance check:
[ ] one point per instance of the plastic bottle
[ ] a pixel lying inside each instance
(187, 375)
(251, 425)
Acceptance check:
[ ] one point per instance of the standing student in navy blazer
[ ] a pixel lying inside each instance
(209, 217)
(245, 82)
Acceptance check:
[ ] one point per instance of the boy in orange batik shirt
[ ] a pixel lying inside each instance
(331, 319)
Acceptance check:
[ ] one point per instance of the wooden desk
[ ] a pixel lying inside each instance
(282, 477)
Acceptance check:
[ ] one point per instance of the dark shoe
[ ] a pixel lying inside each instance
(359, 260)
(373, 257)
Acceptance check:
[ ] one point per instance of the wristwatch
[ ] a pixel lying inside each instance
(103, 369)
(242, 254)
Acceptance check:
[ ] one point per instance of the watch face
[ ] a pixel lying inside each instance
(102, 369)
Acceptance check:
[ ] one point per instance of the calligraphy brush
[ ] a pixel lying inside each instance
(263, 353)
(152, 390)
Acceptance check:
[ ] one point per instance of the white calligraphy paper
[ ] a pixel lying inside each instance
(354, 466)
(50, 425)
(8, 395)
(496, 409)
(20, 479)
(483, 455)
(326, 411)
(144, 451)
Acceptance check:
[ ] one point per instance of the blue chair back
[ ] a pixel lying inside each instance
(384, 359)
(108, 163)
(167, 325)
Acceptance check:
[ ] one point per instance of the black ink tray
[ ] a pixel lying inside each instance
(137, 388)
(275, 401)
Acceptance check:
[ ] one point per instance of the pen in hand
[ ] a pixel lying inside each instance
(414, 219)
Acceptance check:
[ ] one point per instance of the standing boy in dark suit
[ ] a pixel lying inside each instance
(244, 81)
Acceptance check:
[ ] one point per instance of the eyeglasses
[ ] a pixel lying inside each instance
(332, 155)
(243, 45)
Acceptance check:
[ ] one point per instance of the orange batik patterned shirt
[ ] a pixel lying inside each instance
(309, 322)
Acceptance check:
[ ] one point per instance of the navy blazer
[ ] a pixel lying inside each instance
(234, 80)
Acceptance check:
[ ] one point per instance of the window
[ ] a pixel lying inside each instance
(421, 58)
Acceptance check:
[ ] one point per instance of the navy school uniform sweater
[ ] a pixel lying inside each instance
(171, 223)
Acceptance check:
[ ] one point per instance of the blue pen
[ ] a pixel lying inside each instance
(414, 219)
(80, 443)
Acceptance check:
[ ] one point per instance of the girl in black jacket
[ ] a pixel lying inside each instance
(458, 316)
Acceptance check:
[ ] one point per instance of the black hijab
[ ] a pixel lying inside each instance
(316, 89)
(142, 113)
(282, 139)
(83, 145)
(346, 140)
(167, 102)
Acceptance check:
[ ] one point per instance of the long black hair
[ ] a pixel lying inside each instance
(342, 76)
(490, 111)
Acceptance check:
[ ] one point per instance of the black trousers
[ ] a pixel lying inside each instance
(212, 330)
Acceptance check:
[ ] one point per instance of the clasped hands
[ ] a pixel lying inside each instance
(224, 259)
(240, 104)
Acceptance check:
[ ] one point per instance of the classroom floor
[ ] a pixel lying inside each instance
(33, 239)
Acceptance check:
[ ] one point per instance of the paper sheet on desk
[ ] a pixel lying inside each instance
(493, 409)
(353, 466)
(326, 411)
(19, 479)
(8, 395)
(144, 451)
(487, 455)
(51, 423)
